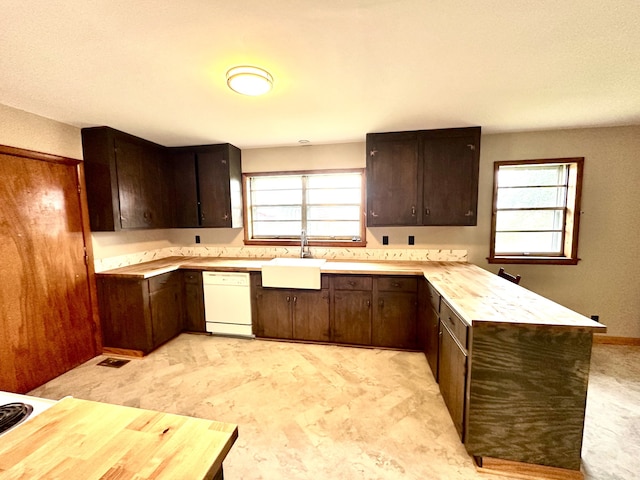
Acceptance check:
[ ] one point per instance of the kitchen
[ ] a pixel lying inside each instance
(605, 238)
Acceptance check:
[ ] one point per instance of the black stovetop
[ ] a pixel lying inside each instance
(11, 414)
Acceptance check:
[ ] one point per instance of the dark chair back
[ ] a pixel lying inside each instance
(512, 278)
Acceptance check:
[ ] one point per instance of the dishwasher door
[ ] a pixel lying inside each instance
(227, 303)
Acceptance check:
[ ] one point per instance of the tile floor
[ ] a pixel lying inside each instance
(317, 411)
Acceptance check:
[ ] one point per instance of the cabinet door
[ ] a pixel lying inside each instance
(352, 317)
(142, 186)
(392, 179)
(432, 326)
(394, 321)
(273, 309)
(133, 189)
(311, 315)
(194, 320)
(451, 163)
(183, 165)
(452, 377)
(165, 294)
(213, 178)
(124, 314)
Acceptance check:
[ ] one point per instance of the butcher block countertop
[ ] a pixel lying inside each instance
(164, 265)
(91, 440)
(477, 296)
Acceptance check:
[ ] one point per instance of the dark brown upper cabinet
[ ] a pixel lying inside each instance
(208, 186)
(126, 180)
(423, 177)
(135, 184)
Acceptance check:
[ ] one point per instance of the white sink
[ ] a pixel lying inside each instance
(292, 273)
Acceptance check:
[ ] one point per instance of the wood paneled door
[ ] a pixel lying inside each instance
(48, 321)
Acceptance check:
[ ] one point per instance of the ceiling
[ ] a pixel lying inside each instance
(341, 68)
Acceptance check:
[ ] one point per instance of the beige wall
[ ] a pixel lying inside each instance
(605, 282)
(32, 132)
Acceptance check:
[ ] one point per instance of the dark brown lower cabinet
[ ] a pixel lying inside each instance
(140, 314)
(291, 313)
(352, 317)
(351, 299)
(194, 320)
(349, 309)
(165, 303)
(430, 310)
(394, 318)
(452, 371)
(273, 318)
(310, 315)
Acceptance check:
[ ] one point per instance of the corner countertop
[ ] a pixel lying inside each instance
(477, 295)
(92, 440)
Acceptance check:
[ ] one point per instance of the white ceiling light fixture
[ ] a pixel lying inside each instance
(249, 80)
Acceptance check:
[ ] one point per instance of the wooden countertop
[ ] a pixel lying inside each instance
(477, 295)
(164, 265)
(91, 440)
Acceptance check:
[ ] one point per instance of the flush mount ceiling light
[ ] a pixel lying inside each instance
(249, 80)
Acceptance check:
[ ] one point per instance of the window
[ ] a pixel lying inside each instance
(328, 206)
(536, 211)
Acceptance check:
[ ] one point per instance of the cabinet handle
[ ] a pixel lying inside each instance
(295, 299)
(351, 283)
(288, 298)
(469, 214)
(368, 303)
(226, 216)
(471, 146)
(374, 214)
(202, 216)
(395, 285)
(413, 210)
(427, 211)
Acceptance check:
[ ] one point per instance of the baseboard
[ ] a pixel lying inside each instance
(608, 340)
(525, 471)
(122, 352)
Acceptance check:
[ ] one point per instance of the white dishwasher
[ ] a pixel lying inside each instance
(227, 303)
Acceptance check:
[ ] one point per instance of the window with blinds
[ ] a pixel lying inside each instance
(328, 206)
(536, 211)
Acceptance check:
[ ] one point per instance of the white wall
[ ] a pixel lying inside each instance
(31, 132)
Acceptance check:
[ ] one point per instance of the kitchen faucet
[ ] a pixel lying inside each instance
(304, 241)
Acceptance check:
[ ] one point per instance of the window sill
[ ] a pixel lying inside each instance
(529, 259)
(312, 243)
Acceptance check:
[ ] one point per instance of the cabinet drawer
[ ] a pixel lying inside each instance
(158, 282)
(352, 282)
(434, 297)
(397, 284)
(457, 326)
(193, 278)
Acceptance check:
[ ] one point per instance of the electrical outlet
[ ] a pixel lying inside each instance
(412, 240)
(197, 238)
(385, 239)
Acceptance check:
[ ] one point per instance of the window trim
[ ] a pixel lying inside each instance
(572, 215)
(280, 242)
